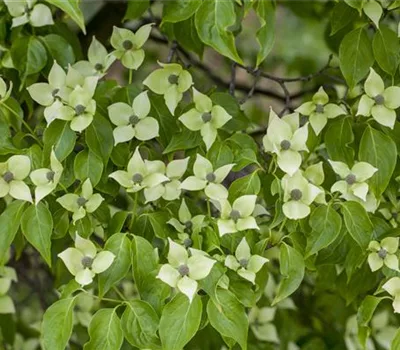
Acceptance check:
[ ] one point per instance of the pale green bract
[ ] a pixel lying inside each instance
(13, 172)
(378, 102)
(4, 91)
(238, 216)
(260, 320)
(183, 272)
(47, 179)
(207, 179)
(85, 202)
(373, 10)
(286, 139)
(7, 276)
(133, 121)
(84, 262)
(384, 253)
(245, 264)
(393, 288)
(171, 81)
(319, 110)
(205, 118)
(28, 11)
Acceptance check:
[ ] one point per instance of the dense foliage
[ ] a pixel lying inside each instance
(199, 174)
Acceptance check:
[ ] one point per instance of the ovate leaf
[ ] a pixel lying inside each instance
(265, 10)
(71, 8)
(87, 165)
(98, 137)
(338, 140)
(60, 136)
(386, 49)
(179, 10)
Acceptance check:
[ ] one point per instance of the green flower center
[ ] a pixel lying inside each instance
(27, 9)
(55, 92)
(8, 176)
(81, 201)
(211, 177)
(296, 194)
(206, 117)
(80, 109)
(285, 145)
(235, 215)
(183, 270)
(133, 120)
(187, 243)
(188, 225)
(243, 262)
(137, 178)
(350, 179)
(319, 108)
(99, 67)
(127, 45)
(87, 262)
(379, 99)
(382, 253)
(173, 79)
(50, 175)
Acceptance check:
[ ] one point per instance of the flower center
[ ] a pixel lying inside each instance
(133, 120)
(296, 194)
(235, 215)
(183, 270)
(27, 9)
(81, 201)
(285, 145)
(243, 262)
(379, 99)
(382, 253)
(87, 262)
(8, 176)
(127, 45)
(206, 117)
(80, 109)
(50, 175)
(319, 108)
(350, 179)
(187, 243)
(98, 67)
(137, 178)
(173, 79)
(211, 177)
(55, 92)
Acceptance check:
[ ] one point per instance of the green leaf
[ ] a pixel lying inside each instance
(29, 55)
(239, 121)
(87, 165)
(154, 224)
(120, 245)
(220, 154)
(59, 135)
(338, 139)
(98, 137)
(60, 49)
(140, 324)
(386, 49)
(265, 10)
(213, 18)
(249, 184)
(356, 56)
(183, 141)
(229, 317)
(10, 219)
(367, 309)
(105, 331)
(357, 223)
(380, 151)
(396, 341)
(326, 224)
(57, 324)
(341, 16)
(186, 35)
(117, 222)
(72, 9)
(37, 227)
(136, 9)
(179, 10)
(292, 270)
(180, 321)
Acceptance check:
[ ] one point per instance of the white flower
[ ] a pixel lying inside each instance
(384, 253)
(133, 121)
(237, 217)
(205, 177)
(205, 117)
(260, 320)
(46, 180)
(140, 174)
(79, 205)
(286, 140)
(187, 224)
(183, 271)
(4, 91)
(84, 262)
(245, 264)
(7, 276)
(12, 174)
(393, 288)
(27, 11)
